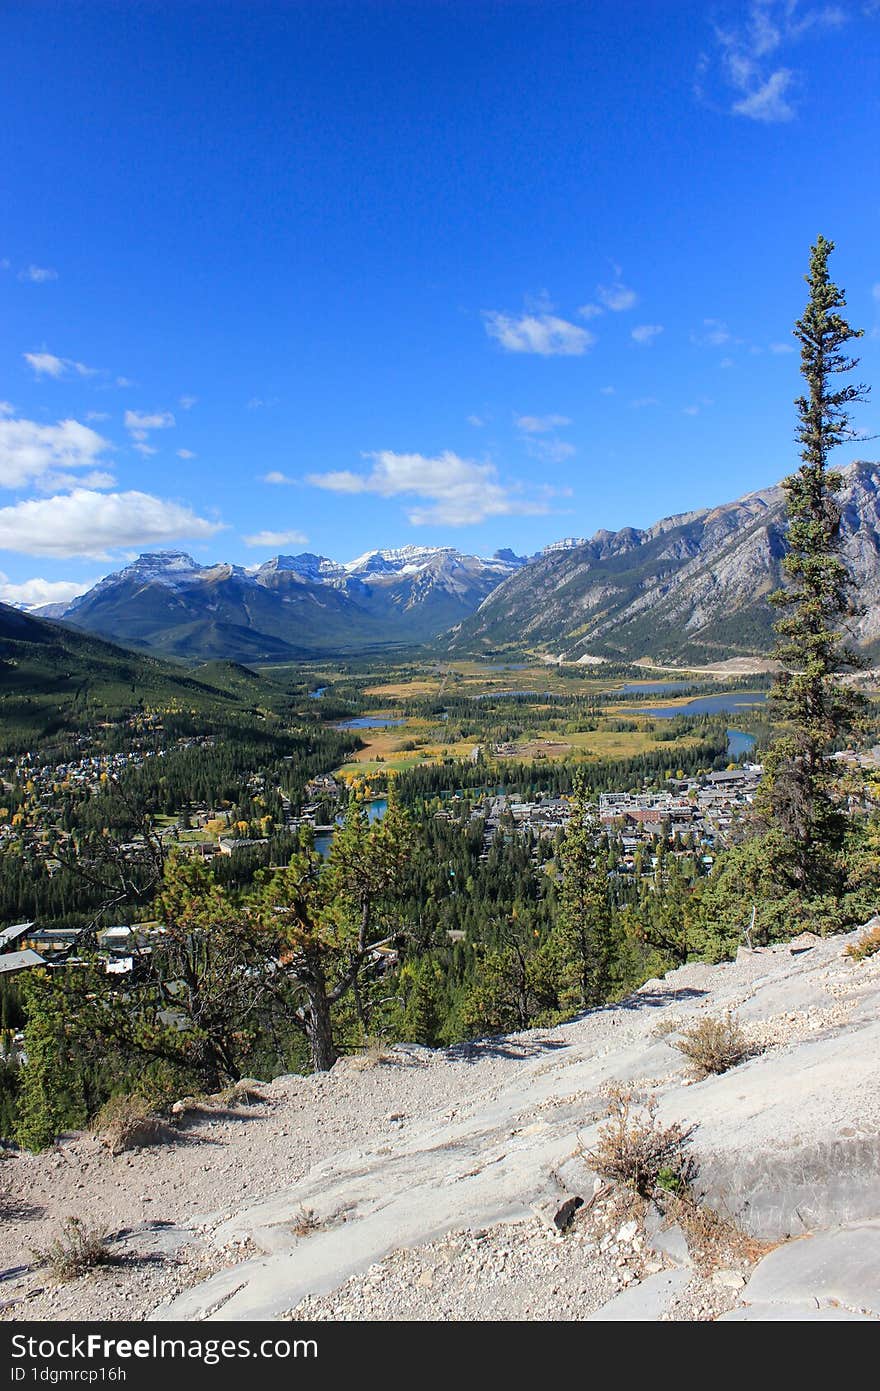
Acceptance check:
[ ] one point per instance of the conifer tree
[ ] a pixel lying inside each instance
(584, 938)
(51, 1097)
(815, 708)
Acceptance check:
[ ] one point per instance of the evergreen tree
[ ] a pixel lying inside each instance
(584, 939)
(815, 708)
(51, 1093)
(332, 919)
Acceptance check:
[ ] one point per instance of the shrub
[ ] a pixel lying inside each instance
(634, 1149)
(866, 946)
(714, 1044)
(127, 1123)
(375, 1052)
(244, 1092)
(305, 1222)
(76, 1249)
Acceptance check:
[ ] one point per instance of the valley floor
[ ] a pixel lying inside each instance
(424, 1184)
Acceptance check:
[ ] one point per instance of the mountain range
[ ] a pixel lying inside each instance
(692, 587)
(293, 606)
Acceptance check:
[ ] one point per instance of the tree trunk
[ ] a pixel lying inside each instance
(319, 1031)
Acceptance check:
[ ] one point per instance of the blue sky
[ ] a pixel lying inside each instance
(329, 276)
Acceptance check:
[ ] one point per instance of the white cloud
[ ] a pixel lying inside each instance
(541, 424)
(63, 482)
(607, 390)
(781, 347)
(691, 410)
(97, 415)
(875, 291)
(714, 334)
(616, 297)
(29, 451)
(543, 334)
(187, 402)
(7, 408)
(138, 422)
(89, 523)
(590, 311)
(48, 365)
(763, 88)
(641, 402)
(277, 477)
(38, 275)
(644, 334)
(124, 381)
(726, 362)
(275, 540)
(550, 451)
(185, 454)
(461, 491)
(477, 421)
(32, 594)
(769, 102)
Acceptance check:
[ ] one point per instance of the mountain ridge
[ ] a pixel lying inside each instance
(693, 585)
(291, 607)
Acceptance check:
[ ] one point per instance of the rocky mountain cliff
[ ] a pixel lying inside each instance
(692, 587)
(290, 607)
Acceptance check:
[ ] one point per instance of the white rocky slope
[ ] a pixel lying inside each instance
(430, 1177)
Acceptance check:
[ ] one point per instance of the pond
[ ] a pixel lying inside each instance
(316, 695)
(738, 743)
(368, 722)
(709, 705)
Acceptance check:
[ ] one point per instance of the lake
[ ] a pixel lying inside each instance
(709, 705)
(738, 743)
(316, 695)
(368, 722)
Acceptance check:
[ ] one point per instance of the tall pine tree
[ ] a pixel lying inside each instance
(585, 940)
(813, 705)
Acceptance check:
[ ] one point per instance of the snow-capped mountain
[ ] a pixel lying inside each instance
(292, 605)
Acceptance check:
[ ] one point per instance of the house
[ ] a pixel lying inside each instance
(13, 961)
(10, 936)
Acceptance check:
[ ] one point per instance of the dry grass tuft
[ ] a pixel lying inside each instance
(634, 1149)
(305, 1222)
(714, 1044)
(867, 945)
(128, 1123)
(375, 1053)
(245, 1092)
(713, 1242)
(76, 1249)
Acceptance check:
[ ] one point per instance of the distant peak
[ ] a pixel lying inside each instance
(164, 560)
(569, 543)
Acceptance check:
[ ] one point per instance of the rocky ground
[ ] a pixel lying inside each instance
(425, 1184)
